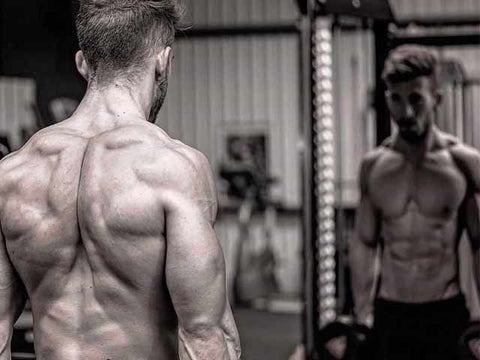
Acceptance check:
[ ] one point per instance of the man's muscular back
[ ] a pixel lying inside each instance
(83, 218)
(418, 205)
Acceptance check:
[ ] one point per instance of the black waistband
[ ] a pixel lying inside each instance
(457, 301)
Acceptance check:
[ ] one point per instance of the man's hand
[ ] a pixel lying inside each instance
(337, 347)
(365, 319)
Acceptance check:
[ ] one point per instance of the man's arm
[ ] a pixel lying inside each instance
(363, 250)
(12, 300)
(473, 231)
(195, 266)
(472, 209)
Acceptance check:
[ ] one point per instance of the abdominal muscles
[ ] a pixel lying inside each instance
(419, 261)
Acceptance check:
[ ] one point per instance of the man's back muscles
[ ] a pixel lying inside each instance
(83, 228)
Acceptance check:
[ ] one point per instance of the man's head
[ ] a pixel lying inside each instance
(411, 75)
(121, 39)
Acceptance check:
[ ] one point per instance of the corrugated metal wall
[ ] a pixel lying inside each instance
(239, 83)
(354, 78)
(218, 85)
(435, 8)
(469, 58)
(17, 96)
(201, 13)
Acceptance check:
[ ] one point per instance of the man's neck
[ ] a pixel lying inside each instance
(415, 151)
(114, 105)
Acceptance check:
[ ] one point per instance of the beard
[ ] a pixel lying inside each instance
(160, 92)
(412, 136)
(413, 133)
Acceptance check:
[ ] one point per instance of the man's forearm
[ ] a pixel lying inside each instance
(476, 270)
(206, 344)
(5, 338)
(363, 272)
(12, 302)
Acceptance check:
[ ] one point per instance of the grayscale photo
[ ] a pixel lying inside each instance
(240, 179)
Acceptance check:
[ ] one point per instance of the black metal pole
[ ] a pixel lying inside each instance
(240, 30)
(467, 39)
(383, 127)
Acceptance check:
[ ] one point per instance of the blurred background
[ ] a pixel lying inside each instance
(240, 92)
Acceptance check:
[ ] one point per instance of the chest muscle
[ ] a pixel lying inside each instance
(435, 185)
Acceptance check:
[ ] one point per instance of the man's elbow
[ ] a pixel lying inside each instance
(207, 341)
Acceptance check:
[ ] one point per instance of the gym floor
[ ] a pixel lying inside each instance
(267, 336)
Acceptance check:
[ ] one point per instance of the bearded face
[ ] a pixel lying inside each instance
(412, 105)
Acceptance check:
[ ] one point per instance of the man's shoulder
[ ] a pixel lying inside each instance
(51, 140)
(467, 158)
(38, 143)
(191, 164)
(23, 170)
(191, 156)
(463, 152)
(186, 178)
(371, 157)
(176, 165)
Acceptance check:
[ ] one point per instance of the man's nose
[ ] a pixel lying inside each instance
(409, 112)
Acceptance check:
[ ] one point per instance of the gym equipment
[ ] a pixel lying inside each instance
(470, 342)
(353, 338)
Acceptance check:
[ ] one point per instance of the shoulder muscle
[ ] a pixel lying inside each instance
(368, 161)
(190, 179)
(468, 160)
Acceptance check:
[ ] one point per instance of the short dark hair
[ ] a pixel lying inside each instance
(408, 62)
(117, 36)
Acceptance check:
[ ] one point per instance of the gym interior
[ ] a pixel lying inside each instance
(284, 97)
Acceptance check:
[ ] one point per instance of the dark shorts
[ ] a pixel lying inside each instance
(426, 331)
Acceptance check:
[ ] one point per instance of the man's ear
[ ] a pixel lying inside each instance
(82, 65)
(163, 64)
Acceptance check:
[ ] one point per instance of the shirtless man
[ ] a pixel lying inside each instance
(419, 191)
(107, 223)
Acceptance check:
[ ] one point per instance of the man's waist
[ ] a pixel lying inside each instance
(439, 305)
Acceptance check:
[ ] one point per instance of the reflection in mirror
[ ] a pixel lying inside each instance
(410, 265)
